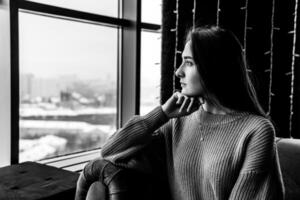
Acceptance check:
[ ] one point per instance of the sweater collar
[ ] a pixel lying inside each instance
(207, 118)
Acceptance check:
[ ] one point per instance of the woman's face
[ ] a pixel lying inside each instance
(188, 74)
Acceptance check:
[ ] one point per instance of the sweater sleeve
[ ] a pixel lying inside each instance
(136, 134)
(260, 176)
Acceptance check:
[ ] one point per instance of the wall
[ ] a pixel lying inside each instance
(4, 83)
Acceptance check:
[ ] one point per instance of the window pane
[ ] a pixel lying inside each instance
(68, 86)
(150, 71)
(102, 7)
(151, 11)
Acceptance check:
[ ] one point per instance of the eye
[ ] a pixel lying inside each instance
(188, 63)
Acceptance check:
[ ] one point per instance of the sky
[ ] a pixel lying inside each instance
(50, 47)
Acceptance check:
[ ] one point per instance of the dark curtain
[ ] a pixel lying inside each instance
(232, 15)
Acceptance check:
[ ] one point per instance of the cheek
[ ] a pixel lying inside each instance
(195, 81)
(194, 87)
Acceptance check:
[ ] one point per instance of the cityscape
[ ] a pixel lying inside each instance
(64, 115)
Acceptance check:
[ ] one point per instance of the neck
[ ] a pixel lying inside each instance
(208, 107)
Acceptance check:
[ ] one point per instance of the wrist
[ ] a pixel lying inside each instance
(165, 111)
(155, 118)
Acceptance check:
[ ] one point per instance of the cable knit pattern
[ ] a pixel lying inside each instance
(209, 156)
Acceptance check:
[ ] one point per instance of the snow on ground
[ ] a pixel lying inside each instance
(37, 111)
(40, 148)
(65, 125)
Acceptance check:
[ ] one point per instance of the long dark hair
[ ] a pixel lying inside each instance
(221, 63)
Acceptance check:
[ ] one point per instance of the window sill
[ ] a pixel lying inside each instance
(73, 162)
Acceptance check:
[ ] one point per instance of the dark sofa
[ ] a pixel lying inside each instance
(289, 158)
(107, 181)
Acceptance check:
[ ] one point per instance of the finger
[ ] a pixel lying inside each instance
(176, 94)
(175, 97)
(183, 105)
(180, 99)
(190, 104)
(201, 100)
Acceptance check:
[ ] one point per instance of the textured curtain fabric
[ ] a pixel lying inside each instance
(265, 29)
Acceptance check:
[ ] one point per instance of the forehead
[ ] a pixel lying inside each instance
(187, 52)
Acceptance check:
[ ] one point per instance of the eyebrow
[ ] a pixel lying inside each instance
(187, 57)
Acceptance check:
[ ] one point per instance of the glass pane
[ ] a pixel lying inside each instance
(68, 86)
(151, 11)
(150, 71)
(101, 7)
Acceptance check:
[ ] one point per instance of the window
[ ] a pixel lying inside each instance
(150, 70)
(71, 72)
(151, 11)
(150, 73)
(68, 86)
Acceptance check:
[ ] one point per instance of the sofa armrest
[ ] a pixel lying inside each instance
(101, 179)
(289, 154)
(104, 180)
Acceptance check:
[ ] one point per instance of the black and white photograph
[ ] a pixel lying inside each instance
(149, 100)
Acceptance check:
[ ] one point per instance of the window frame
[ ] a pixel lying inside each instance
(128, 99)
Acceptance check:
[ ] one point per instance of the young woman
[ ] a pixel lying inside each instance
(218, 142)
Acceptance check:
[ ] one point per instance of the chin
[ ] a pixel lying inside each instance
(190, 93)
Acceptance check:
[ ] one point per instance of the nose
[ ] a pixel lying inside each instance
(179, 72)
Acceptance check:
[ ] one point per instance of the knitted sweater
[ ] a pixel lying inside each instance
(208, 156)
